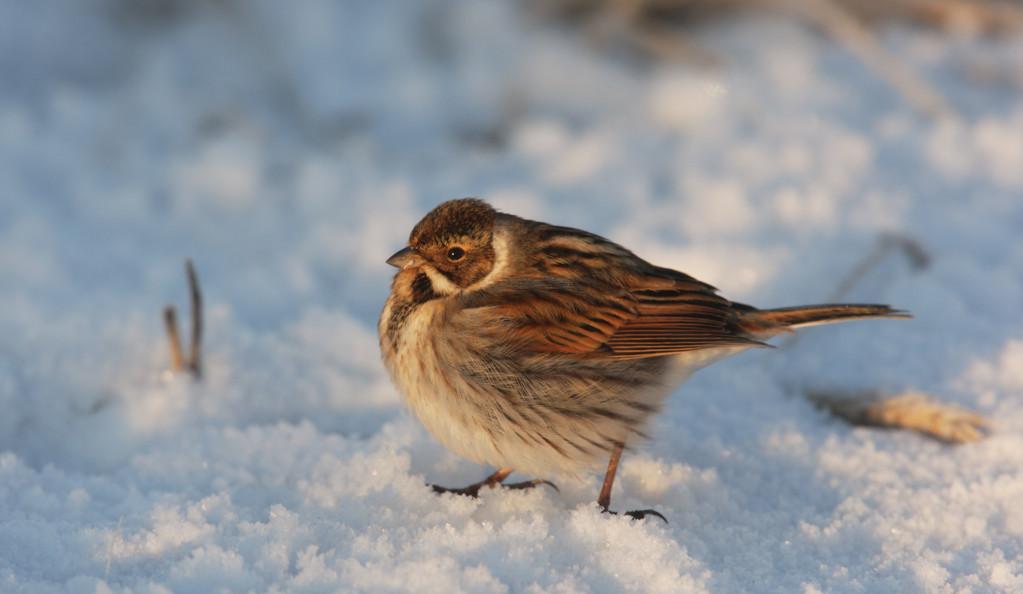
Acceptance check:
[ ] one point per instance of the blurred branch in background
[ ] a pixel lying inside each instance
(844, 26)
(160, 13)
(887, 244)
(659, 29)
(984, 17)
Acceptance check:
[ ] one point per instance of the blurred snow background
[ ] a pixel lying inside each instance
(289, 147)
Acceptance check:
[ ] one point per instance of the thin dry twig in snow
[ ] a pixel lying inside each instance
(192, 363)
(195, 347)
(170, 324)
(910, 410)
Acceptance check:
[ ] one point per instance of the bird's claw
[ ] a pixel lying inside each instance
(470, 491)
(637, 514)
(640, 514)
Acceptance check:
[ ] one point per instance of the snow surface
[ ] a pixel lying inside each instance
(288, 148)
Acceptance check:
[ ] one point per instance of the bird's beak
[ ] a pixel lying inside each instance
(402, 258)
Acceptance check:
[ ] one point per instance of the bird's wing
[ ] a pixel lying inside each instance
(677, 319)
(650, 313)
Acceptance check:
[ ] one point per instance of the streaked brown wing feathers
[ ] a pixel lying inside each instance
(552, 314)
(676, 320)
(655, 315)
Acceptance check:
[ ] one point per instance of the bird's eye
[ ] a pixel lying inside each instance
(455, 254)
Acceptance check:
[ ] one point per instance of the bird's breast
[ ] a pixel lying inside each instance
(412, 339)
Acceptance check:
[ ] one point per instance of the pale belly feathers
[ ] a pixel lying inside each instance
(451, 410)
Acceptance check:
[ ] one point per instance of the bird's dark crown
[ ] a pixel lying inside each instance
(455, 220)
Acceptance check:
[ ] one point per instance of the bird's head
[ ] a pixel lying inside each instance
(453, 245)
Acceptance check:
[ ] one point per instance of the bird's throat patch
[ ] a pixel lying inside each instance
(422, 289)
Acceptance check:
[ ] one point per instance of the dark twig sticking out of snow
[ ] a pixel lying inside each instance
(195, 347)
(193, 362)
(170, 324)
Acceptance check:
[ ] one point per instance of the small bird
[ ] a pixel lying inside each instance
(547, 350)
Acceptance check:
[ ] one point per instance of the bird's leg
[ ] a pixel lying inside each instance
(493, 480)
(604, 499)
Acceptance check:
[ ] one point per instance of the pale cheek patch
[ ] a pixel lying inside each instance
(441, 284)
(502, 248)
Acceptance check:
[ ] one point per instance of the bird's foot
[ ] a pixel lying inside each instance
(531, 484)
(473, 490)
(637, 514)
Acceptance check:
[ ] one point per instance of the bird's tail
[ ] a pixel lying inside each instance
(768, 322)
